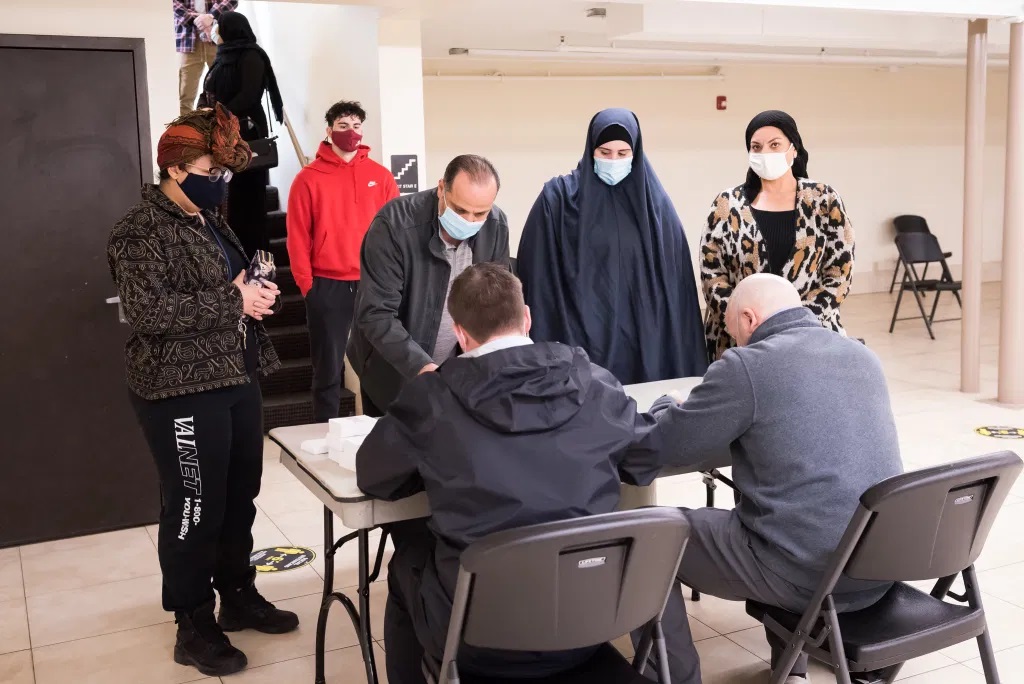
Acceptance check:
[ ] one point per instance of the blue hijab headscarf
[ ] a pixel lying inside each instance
(607, 268)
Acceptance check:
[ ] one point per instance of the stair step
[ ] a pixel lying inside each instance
(279, 246)
(293, 312)
(291, 341)
(294, 376)
(273, 198)
(297, 409)
(286, 281)
(277, 224)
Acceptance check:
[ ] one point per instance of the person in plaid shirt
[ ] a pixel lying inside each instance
(193, 24)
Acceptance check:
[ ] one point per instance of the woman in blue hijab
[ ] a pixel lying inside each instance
(605, 265)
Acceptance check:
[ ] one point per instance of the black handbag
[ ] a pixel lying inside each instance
(264, 150)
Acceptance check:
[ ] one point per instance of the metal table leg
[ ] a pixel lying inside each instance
(360, 617)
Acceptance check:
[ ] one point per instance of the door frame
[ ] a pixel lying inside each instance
(136, 46)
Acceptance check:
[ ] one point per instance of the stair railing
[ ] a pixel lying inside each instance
(303, 159)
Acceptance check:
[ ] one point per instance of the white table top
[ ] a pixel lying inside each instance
(337, 488)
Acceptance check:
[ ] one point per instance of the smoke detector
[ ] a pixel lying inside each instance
(597, 13)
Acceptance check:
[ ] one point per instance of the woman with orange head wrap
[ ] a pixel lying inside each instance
(194, 358)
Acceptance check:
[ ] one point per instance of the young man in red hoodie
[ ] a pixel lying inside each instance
(330, 207)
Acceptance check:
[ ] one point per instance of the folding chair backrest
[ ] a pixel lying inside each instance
(930, 523)
(919, 248)
(909, 223)
(570, 584)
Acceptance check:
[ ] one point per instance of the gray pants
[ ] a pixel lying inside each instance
(719, 561)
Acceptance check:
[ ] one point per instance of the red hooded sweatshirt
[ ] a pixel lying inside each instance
(330, 207)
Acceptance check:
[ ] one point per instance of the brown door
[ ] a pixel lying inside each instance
(71, 163)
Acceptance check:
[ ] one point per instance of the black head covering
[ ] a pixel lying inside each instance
(608, 268)
(225, 77)
(785, 123)
(613, 132)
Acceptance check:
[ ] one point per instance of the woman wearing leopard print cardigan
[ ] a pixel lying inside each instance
(778, 222)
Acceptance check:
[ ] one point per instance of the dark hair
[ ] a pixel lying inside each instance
(476, 167)
(342, 109)
(486, 299)
(163, 175)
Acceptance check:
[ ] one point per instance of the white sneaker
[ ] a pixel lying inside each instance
(798, 680)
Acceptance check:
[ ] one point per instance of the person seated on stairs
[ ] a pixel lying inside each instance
(330, 207)
(805, 412)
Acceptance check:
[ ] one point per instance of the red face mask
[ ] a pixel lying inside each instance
(347, 141)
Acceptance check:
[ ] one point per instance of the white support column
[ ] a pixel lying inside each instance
(974, 200)
(401, 96)
(1011, 328)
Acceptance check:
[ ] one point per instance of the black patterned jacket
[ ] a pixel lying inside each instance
(184, 314)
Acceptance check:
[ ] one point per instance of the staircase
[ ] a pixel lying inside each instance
(287, 398)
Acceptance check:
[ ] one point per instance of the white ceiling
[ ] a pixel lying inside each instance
(681, 33)
(658, 35)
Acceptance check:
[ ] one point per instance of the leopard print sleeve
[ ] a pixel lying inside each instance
(835, 271)
(139, 267)
(716, 278)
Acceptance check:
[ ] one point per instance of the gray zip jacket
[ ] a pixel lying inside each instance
(806, 415)
(402, 289)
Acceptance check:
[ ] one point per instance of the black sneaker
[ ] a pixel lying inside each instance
(245, 608)
(202, 644)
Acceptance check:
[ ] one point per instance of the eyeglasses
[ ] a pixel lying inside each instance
(214, 174)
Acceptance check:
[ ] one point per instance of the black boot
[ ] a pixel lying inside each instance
(245, 608)
(202, 644)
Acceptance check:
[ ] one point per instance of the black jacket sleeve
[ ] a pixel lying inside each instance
(639, 460)
(387, 461)
(382, 280)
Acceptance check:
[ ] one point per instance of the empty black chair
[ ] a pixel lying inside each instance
(567, 585)
(909, 223)
(923, 248)
(924, 525)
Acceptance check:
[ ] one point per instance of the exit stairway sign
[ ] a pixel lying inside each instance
(405, 169)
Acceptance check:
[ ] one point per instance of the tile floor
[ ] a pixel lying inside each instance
(65, 620)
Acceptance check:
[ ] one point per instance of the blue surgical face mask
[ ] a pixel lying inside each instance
(612, 171)
(457, 227)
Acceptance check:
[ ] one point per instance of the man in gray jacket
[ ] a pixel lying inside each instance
(414, 250)
(806, 415)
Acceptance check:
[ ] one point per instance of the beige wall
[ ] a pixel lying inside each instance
(889, 142)
(150, 20)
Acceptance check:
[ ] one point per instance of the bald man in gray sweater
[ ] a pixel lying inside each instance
(805, 413)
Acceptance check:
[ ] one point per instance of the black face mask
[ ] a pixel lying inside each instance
(203, 192)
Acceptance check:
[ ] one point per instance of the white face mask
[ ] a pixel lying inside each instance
(770, 166)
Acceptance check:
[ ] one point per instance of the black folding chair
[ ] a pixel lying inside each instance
(924, 525)
(568, 585)
(908, 223)
(923, 248)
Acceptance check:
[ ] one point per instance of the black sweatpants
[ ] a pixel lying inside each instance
(208, 449)
(330, 305)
